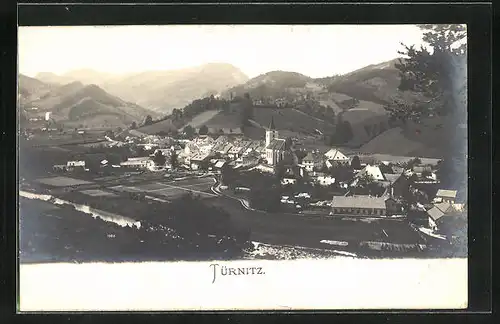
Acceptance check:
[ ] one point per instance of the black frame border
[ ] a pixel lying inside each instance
(478, 16)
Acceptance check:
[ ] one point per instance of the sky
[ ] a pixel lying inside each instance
(313, 50)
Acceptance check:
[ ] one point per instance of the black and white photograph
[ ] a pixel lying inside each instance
(243, 148)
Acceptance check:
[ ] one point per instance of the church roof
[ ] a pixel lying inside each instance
(277, 144)
(271, 124)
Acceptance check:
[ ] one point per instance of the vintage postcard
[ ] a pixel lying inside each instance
(242, 167)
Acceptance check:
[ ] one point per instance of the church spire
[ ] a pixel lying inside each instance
(271, 125)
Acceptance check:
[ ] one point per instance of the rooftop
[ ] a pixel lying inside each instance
(391, 177)
(277, 144)
(439, 210)
(358, 202)
(446, 193)
(141, 158)
(334, 154)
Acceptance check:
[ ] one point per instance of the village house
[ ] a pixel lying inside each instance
(335, 157)
(359, 206)
(191, 149)
(392, 206)
(288, 180)
(218, 165)
(73, 164)
(437, 212)
(203, 143)
(419, 170)
(164, 152)
(199, 161)
(238, 149)
(389, 180)
(312, 161)
(59, 167)
(138, 162)
(252, 147)
(325, 180)
(372, 171)
(444, 195)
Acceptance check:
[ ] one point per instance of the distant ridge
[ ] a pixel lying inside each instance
(76, 103)
(161, 91)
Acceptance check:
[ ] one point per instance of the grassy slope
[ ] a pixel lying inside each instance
(90, 104)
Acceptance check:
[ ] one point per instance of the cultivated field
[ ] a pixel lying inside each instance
(163, 126)
(223, 120)
(290, 119)
(62, 181)
(98, 193)
(400, 144)
(203, 118)
(171, 189)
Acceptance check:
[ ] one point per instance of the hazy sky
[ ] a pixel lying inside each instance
(314, 50)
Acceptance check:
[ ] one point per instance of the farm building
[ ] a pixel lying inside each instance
(437, 211)
(75, 164)
(336, 156)
(199, 161)
(373, 171)
(325, 180)
(359, 205)
(312, 161)
(446, 196)
(138, 162)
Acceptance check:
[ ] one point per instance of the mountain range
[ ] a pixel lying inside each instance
(159, 91)
(95, 97)
(77, 104)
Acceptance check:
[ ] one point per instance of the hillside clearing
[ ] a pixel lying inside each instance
(292, 120)
(395, 142)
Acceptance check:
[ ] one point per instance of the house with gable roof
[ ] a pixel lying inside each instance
(335, 157)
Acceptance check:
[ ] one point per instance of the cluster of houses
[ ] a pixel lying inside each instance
(209, 153)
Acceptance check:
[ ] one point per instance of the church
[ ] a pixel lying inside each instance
(276, 147)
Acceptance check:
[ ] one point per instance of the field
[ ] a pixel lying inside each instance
(71, 138)
(62, 181)
(172, 189)
(400, 145)
(163, 126)
(97, 193)
(203, 118)
(290, 119)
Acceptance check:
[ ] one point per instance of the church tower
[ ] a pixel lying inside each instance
(271, 133)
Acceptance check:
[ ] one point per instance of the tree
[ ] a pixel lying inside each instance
(159, 158)
(174, 160)
(347, 131)
(279, 170)
(203, 130)
(247, 111)
(148, 120)
(173, 132)
(365, 179)
(356, 163)
(162, 133)
(189, 131)
(133, 126)
(437, 72)
(176, 114)
(413, 162)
